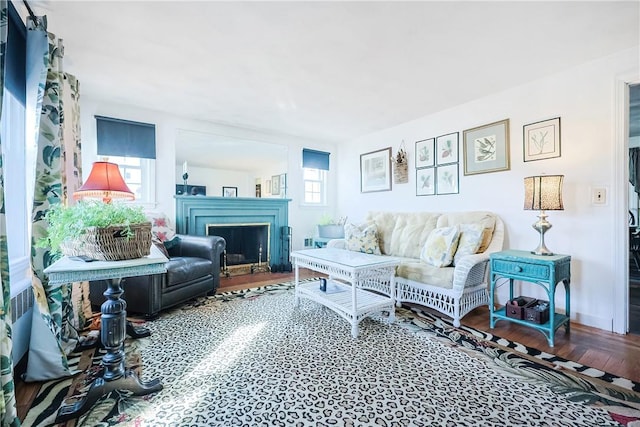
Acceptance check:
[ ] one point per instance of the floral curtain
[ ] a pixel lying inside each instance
(58, 174)
(8, 412)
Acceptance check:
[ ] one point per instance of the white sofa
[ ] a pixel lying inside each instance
(454, 290)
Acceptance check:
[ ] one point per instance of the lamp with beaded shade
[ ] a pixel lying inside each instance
(543, 193)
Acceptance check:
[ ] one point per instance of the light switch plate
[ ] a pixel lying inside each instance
(599, 196)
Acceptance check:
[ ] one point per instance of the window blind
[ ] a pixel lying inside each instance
(16, 56)
(117, 137)
(314, 159)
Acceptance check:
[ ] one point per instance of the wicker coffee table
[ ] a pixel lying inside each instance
(361, 284)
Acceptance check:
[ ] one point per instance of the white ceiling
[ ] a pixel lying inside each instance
(324, 70)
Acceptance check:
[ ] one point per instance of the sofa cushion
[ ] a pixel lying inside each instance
(385, 222)
(487, 219)
(184, 269)
(440, 246)
(411, 232)
(418, 271)
(362, 238)
(470, 240)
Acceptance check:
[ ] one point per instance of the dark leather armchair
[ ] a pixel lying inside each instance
(193, 270)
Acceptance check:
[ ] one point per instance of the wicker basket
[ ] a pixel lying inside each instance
(111, 243)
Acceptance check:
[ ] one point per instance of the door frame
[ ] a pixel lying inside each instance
(620, 320)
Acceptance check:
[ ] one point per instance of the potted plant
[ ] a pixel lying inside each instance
(328, 228)
(98, 230)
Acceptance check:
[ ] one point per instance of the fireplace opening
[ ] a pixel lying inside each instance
(248, 247)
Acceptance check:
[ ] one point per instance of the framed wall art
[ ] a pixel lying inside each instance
(542, 140)
(447, 177)
(229, 191)
(447, 149)
(486, 148)
(375, 171)
(425, 153)
(425, 182)
(275, 185)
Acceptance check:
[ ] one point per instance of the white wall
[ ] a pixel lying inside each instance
(584, 98)
(302, 219)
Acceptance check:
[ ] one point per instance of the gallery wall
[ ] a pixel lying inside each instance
(585, 98)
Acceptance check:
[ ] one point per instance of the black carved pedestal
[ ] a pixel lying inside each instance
(115, 377)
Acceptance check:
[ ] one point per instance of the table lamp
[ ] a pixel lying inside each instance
(104, 181)
(543, 193)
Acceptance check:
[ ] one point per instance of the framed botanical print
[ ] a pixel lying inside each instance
(375, 171)
(425, 153)
(541, 140)
(486, 148)
(447, 179)
(425, 182)
(447, 149)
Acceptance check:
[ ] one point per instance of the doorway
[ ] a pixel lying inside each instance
(634, 209)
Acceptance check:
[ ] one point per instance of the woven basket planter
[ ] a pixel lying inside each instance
(111, 243)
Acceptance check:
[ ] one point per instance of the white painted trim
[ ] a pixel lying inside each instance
(620, 196)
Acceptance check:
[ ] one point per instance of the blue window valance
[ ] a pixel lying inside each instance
(117, 137)
(16, 56)
(314, 159)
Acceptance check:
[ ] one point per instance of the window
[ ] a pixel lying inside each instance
(18, 156)
(138, 174)
(315, 165)
(314, 186)
(132, 145)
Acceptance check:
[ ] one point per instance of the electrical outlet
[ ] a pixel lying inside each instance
(599, 196)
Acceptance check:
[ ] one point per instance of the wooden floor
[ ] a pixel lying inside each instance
(613, 353)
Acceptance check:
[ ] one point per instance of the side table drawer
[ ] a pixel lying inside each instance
(535, 271)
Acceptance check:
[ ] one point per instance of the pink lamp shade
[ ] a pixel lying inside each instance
(104, 181)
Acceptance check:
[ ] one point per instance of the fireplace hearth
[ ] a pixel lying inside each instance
(248, 247)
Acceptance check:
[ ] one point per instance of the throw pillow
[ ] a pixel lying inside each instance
(470, 240)
(160, 226)
(158, 244)
(440, 246)
(362, 238)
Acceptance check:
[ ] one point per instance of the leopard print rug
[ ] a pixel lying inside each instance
(252, 358)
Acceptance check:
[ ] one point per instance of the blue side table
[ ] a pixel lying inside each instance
(545, 271)
(320, 242)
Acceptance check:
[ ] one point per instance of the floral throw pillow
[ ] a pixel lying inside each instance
(470, 240)
(161, 229)
(362, 238)
(440, 246)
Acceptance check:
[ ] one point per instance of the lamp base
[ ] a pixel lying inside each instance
(542, 225)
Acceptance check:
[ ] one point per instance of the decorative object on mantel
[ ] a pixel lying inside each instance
(185, 177)
(541, 140)
(400, 166)
(375, 171)
(275, 185)
(543, 193)
(229, 191)
(486, 148)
